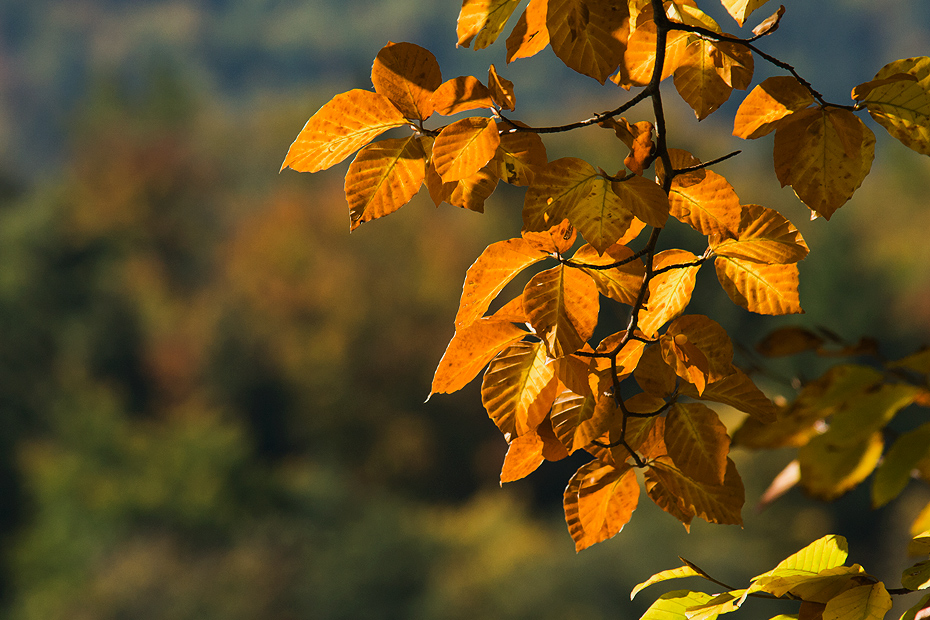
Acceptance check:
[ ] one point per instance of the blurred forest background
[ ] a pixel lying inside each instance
(211, 395)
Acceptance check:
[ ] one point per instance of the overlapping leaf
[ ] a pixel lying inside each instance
(519, 156)
(765, 236)
(384, 177)
(760, 288)
(767, 104)
(670, 291)
(899, 104)
(709, 338)
(530, 35)
(685, 498)
(697, 442)
(867, 602)
(461, 94)
(464, 147)
(501, 90)
(562, 305)
(621, 283)
(698, 80)
(589, 36)
(738, 391)
(829, 471)
(644, 199)
(342, 126)
(524, 456)
(598, 502)
(577, 420)
(702, 198)
(518, 389)
(470, 350)
(408, 75)
(483, 21)
(740, 10)
(894, 472)
(674, 605)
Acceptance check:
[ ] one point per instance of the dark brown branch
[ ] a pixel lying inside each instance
(620, 263)
(706, 164)
(594, 120)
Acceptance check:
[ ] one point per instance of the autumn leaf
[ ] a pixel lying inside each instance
(866, 602)
(620, 283)
(464, 147)
(709, 338)
(670, 291)
(770, 24)
(738, 391)
(644, 199)
(518, 388)
(562, 305)
(760, 288)
(702, 198)
(665, 575)
(698, 81)
(789, 340)
(734, 63)
(685, 359)
(501, 89)
(408, 75)
(589, 36)
(685, 498)
(484, 19)
(765, 236)
(489, 274)
(530, 35)
(524, 456)
(894, 472)
(559, 239)
(767, 104)
(384, 177)
(639, 59)
(472, 347)
(519, 156)
(870, 411)
(653, 374)
(697, 442)
(471, 192)
(740, 10)
(674, 605)
(824, 155)
(341, 127)
(901, 105)
(556, 189)
(461, 94)
(639, 139)
(579, 419)
(829, 471)
(598, 502)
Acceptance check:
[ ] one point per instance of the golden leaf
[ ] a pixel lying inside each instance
(464, 147)
(767, 104)
(685, 498)
(824, 155)
(870, 411)
(556, 189)
(483, 19)
(471, 192)
(685, 359)
(770, 24)
(710, 338)
(578, 420)
(461, 94)
(697, 442)
(738, 391)
(653, 374)
(639, 59)
(501, 89)
(519, 156)
(698, 81)
(598, 502)
(518, 388)
(734, 63)
(558, 239)
(765, 236)
(384, 177)
(524, 456)
(669, 292)
(530, 35)
(760, 288)
(341, 127)
(490, 273)
(829, 471)
(639, 138)
(408, 75)
(740, 10)
(562, 305)
(644, 199)
(618, 283)
(470, 350)
(900, 105)
(702, 198)
(868, 602)
(589, 36)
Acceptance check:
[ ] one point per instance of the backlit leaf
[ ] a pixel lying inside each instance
(672, 573)
(640, 57)
(740, 10)
(524, 456)
(490, 273)
(520, 155)
(483, 21)
(703, 199)
(384, 177)
(698, 81)
(598, 502)
(697, 442)
(824, 155)
(721, 604)
(902, 106)
(518, 388)
(653, 374)
(557, 188)
(858, 417)
(894, 472)
(765, 236)
(461, 94)
(639, 137)
(760, 288)
(710, 338)
(470, 350)
(824, 553)
(621, 283)
(558, 239)
(672, 605)
(341, 127)
(812, 586)
(734, 64)
(589, 36)
(669, 292)
(738, 391)
(685, 359)
(408, 75)
(644, 199)
(562, 305)
(472, 191)
(767, 104)
(720, 504)
(868, 602)
(501, 89)
(919, 611)
(829, 471)
(578, 420)
(770, 24)
(917, 577)
(789, 340)
(464, 147)
(601, 216)
(530, 36)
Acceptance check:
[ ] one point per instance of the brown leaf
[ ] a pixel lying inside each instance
(518, 389)
(767, 104)
(501, 89)
(384, 177)
(710, 338)
(341, 127)
(669, 292)
(470, 350)
(464, 147)
(562, 305)
(530, 36)
(714, 503)
(760, 288)
(599, 501)
(589, 36)
(524, 456)
(769, 24)
(408, 75)
(461, 94)
(789, 340)
(484, 19)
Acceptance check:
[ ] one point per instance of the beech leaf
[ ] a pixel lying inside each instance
(589, 36)
(767, 104)
(408, 75)
(670, 291)
(461, 94)
(599, 500)
(470, 350)
(384, 177)
(524, 456)
(760, 288)
(464, 147)
(562, 305)
(518, 388)
(899, 104)
(483, 21)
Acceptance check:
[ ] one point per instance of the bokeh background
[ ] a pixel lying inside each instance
(211, 395)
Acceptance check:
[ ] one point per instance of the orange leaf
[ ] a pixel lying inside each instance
(767, 104)
(738, 391)
(824, 155)
(769, 24)
(682, 496)
(471, 192)
(627, 357)
(520, 155)
(640, 57)
(524, 456)
(578, 420)
(619, 283)
(901, 105)
(383, 178)
(653, 374)
(697, 442)
(518, 388)
(501, 89)
(490, 273)
(558, 239)
(760, 288)
(669, 292)
(464, 147)
(556, 189)
(710, 338)
(470, 350)
(789, 340)
(461, 94)
(408, 75)
(685, 359)
(573, 371)
(765, 236)
(483, 19)
(598, 502)
(703, 199)
(638, 137)
(589, 36)
(530, 36)
(698, 81)
(341, 127)
(562, 305)
(740, 10)
(644, 199)
(734, 64)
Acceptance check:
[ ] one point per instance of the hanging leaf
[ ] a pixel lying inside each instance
(520, 155)
(917, 577)
(674, 605)
(653, 374)
(518, 389)
(901, 104)
(740, 10)
(665, 575)
(470, 350)
(501, 90)
(461, 94)
(471, 192)
(824, 155)
(640, 57)
(408, 75)
(698, 81)
(341, 127)
(589, 36)
(559, 239)
(770, 24)
(738, 391)
(868, 602)
(484, 19)
(557, 188)
(682, 496)
(644, 199)
(734, 64)
(828, 471)
(530, 36)
(578, 420)
(790, 340)
(894, 472)
(524, 456)
(767, 104)
(464, 147)
(760, 288)
(702, 198)
(669, 292)
(708, 337)
(858, 418)
(621, 283)
(384, 177)
(598, 502)
(562, 305)
(685, 359)
(639, 138)
(697, 442)
(765, 236)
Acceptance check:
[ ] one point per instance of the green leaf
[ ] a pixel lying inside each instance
(665, 575)
(827, 552)
(673, 605)
(868, 602)
(917, 577)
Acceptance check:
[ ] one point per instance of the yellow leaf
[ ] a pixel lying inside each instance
(489, 274)
(384, 177)
(811, 586)
(734, 63)
(644, 199)
(627, 357)
(702, 198)
(621, 283)
(672, 573)
(685, 359)
(483, 19)
(760, 288)
(894, 472)
(902, 106)
(920, 608)
(470, 350)
(639, 138)
(653, 374)
(589, 36)
(740, 10)
(669, 292)
(770, 24)
(471, 192)
(558, 239)
(520, 155)
(738, 391)
(697, 442)
(824, 155)
(562, 305)
(870, 411)
(917, 577)
(698, 81)
(767, 104)
(709, 338)
(408, 75)
(524, 456)
(556, 189)
(501, 89)
(464, 147)
(829, 471)
(461, 94)
(827, 552)
(518, 389)
(598, 502)
(578, 420)
(765, 236)
(341, 127)
(918, 362)
(530, 36)
(682, 496)
(720, 604)
(672, 605)
(868, 602)
(640, 57)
